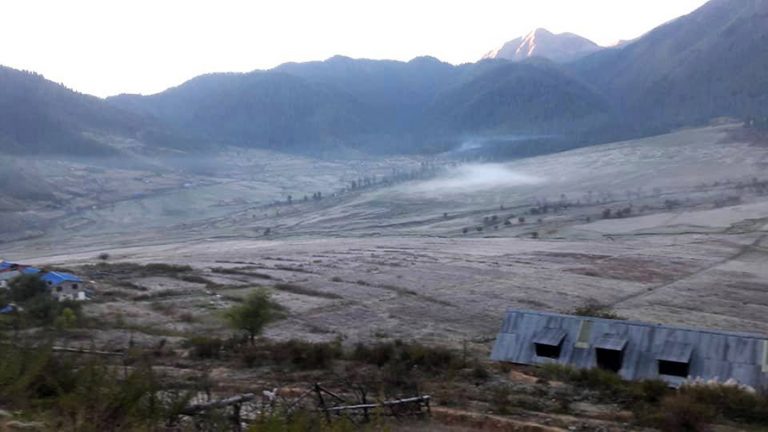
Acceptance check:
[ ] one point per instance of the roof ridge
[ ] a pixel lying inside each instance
(644, 324)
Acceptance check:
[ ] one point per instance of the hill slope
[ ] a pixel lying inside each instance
(712, 62)
(40, 117)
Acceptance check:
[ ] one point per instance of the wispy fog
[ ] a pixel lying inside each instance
(473, 178)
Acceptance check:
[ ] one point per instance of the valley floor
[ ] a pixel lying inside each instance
(439, 259)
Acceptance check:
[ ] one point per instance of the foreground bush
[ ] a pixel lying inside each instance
(297, 354)
(82, 393)
(690, 408)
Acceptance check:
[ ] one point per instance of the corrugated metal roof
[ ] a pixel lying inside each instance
(57, 277)
(712, 354)
(550, 336)
(611, 342)
(676, 352)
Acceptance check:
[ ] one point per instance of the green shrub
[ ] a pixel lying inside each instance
(256, 311)
(83, 393)
(167, 268)
(407, 355)
(683, 413)
(202, 347)
(595, 309)
(306, 355)
(298, 354)
(26, 287)
(730, 402)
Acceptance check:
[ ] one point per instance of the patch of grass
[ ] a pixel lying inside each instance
(159, 294)
(292, 269)
(300, 355)
(132, 286)
(196, 279)
(167, 268)
(595, 309)
(407, 356)
(242, 271)
(298, 289)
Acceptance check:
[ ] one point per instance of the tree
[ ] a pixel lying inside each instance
(256, 311)
(26, 287)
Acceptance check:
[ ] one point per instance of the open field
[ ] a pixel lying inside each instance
(671, 229)
(394, 261)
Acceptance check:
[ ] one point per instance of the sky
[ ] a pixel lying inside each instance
(107, 47)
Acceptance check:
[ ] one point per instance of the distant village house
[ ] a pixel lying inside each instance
(62, 286)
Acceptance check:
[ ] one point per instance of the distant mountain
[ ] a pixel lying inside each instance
(258, 109)
(40, 117)
(376, 106)
(712, 62)
(562, 47)
(560, 91)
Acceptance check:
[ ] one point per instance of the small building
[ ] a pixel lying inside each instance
(9, 270)
(65, 286)
(635, 350)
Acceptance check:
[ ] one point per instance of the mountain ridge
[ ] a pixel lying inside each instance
(709, 63)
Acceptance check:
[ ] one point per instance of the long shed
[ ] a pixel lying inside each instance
(635, 350)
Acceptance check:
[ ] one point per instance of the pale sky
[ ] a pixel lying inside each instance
(106, 47)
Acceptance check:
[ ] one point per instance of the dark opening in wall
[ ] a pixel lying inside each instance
(609, 359)
(550, 351)
(673, 368)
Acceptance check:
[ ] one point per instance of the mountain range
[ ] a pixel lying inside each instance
(547, 92)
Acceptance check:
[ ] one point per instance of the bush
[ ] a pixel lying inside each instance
(407, 355)
(256, 311)
(202, 347)
(595, 309)
(26, 287)
(82, 394)
(730, 402)
(681, 412)
(167, 268)
(298, 354)
(306, 355)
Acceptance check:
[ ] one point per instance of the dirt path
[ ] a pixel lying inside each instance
(755, 246)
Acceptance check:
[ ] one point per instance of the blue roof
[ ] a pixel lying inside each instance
(30, 270)
(5, 265)
(57, 278)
